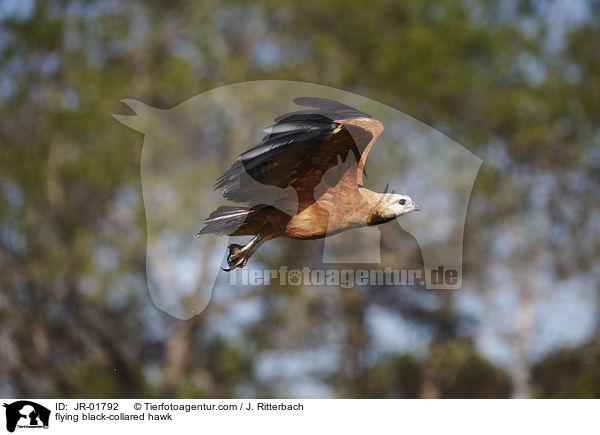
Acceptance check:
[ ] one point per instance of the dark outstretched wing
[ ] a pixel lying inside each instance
(300, 147)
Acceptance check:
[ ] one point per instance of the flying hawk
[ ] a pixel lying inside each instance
(320, 153)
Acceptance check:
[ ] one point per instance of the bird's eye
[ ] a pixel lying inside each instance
(402, 201)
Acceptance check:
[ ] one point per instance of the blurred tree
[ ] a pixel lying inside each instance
(515, 81)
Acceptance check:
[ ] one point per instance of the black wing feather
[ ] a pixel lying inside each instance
(329, 108)
(287, 145)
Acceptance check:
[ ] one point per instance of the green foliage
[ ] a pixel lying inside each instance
(569, 373)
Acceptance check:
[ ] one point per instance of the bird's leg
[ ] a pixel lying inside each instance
(239, 255)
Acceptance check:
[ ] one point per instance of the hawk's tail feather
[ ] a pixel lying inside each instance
(224, 220)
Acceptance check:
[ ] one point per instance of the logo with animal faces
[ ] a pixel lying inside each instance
(418, 220)
(25, 414)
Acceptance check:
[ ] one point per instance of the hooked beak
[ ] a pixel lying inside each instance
(416, 206)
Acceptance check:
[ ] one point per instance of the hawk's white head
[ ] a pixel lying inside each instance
(392, 205)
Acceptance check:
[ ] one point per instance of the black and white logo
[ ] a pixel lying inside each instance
(26, 414)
